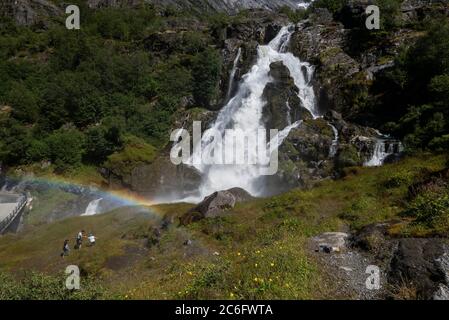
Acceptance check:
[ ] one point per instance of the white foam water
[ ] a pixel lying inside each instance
(233, 72)
(382, 149)
(244, 112)
(92, 208)
(334, 145)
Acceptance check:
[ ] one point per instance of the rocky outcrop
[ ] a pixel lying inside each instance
(283, 105)
(113, 3)
(215, 205)
(229, 6)
(421, 265)
(321, 41)
(330, 242)
(306, 156)
(415, 267)
(29, 12)
(162, 179)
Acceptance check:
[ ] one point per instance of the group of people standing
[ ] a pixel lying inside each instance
(78, 242)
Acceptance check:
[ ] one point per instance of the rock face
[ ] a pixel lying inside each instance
(164, 179)
(321, 41)
(113, 3)
(228, 6)
(28, 12)
(215, 205)
(283, 105)
(420, 264)
(417, 266)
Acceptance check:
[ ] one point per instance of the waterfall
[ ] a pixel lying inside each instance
(334, 144)
(285, 132)
(289, 116)
(92, 208)
(383, 148)
(304, 4)
(232, 74)
(244, 112)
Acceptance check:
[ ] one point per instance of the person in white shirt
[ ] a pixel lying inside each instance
(79, 239)
(91, 239)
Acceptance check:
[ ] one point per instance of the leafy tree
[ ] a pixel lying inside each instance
(101, 141)
(206, 74)
(66, 148)
(24, 102)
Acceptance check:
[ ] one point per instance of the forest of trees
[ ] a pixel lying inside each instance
(75, 97)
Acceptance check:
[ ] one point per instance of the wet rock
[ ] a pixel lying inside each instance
(164, 179)
(215, 205)
(283, 105)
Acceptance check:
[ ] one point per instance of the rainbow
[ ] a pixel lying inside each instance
(125, 197)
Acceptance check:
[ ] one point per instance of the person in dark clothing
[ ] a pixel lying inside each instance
(65, 249)
(79, 239)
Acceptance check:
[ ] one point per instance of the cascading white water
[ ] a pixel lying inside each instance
(382, 149)
(304, 4)
(244, 112)
(334, 144)
(289, 115)
(232, 74)
(92, 208)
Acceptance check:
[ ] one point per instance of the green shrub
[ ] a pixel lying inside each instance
(206, 75)
(430, 210)
(333, 6)
(38, 286)
(66, 148)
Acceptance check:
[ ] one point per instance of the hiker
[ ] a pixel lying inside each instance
(91, 239)
(79, 239)
(65, 249)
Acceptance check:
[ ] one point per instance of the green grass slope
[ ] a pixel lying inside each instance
(258, 250)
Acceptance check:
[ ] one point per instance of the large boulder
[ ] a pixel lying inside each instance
(163, 180)
(420, 265)
(215, 205)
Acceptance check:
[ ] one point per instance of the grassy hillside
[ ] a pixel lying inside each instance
(258, 250)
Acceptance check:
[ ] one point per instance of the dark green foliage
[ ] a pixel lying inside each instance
(100, 81)
(294, 15)
(206, 74)
(66, 148)
(418, 88)
(333, 6)
(102, 141)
